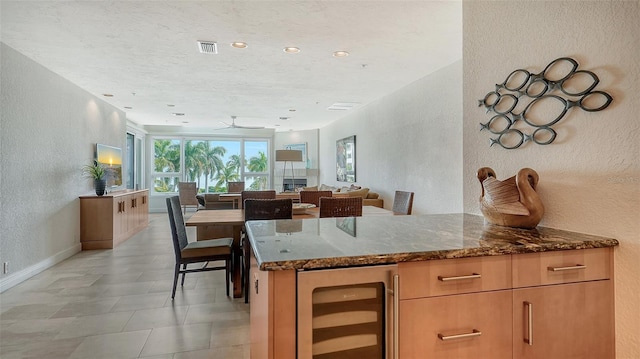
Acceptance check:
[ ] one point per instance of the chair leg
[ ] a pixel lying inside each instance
(227, 274)
(184, 267)
(175, 280)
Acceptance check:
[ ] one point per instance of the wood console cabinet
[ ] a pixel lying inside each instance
(106, 221)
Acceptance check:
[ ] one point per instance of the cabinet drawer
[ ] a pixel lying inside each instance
(533, 269)
(463, 326)
(454, 276)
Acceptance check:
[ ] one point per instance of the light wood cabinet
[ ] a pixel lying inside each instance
(561, 302)
(272, 313)
(106, 221)
(454, 276)
(564, 321)
(564, 305)
(555, 305)
(462, 326)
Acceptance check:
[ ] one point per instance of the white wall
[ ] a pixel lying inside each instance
(48, 132)
(408, 140)
(590, 176)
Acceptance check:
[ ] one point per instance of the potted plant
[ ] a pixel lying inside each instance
(98, 174)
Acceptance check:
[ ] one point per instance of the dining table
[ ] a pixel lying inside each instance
(228, 223)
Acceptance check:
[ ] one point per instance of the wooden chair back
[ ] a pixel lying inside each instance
(340, 207)
(313, 196)
(178, 229)
(259, 209)
(187, 192)
(402, 202)
(235, 187)
(269, 194)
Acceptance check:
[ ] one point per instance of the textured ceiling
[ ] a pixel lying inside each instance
(145, 53)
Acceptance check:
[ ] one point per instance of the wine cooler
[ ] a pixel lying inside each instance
(347, 313)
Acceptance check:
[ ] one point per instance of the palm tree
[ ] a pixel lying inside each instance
(194, 160)
(166, 156)
(259, 164)
(213, 162)
(166, 159)
(228, 173)
(235, 161)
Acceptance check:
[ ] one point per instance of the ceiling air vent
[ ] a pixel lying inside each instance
(208, 47)
(342, 106)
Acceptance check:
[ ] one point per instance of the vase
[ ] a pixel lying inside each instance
(100, 185)
(512, 202)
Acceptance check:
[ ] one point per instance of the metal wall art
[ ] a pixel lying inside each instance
(537, 101)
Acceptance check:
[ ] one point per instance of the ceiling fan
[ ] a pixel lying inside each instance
(233, 125)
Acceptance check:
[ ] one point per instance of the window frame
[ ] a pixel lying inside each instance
(182, 173)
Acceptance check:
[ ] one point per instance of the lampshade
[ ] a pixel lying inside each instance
(289, 155)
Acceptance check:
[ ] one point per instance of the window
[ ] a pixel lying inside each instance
(166, 165)
(211, 163)
(257, 167)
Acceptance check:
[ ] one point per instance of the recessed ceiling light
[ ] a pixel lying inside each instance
(291, 50)
(340, 54)
(239, 45)
(170, 105)
(185, 121)
(107, 95)
(177, 114)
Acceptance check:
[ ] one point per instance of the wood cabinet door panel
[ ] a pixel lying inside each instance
(424, 321)
(568, 321)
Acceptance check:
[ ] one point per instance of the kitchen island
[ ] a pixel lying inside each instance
(459, 287)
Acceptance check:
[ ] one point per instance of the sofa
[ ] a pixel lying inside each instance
(212, 201)
(369, 198)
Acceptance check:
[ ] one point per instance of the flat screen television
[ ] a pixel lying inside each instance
(111, 158)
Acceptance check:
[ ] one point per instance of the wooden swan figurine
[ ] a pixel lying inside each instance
(512, 202)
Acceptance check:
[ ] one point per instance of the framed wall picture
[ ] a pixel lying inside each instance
(346, 159)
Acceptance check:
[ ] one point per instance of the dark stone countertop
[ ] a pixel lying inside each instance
(370, 240)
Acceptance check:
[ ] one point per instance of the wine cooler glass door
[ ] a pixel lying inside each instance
(346, 313)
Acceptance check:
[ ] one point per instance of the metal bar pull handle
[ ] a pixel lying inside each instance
(396, 314)
(529, 338)
(559, 269)
(461, 277)
(474, 333)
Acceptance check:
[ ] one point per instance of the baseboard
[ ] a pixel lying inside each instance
(20, 276)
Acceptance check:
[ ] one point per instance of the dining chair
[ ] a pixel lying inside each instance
(195, 252)
(340, 207)
(313, 197)
(402, 202)
(261, 209)
(187, 192)
(235, 187)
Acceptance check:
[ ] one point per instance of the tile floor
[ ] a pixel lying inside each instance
(116, 304)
